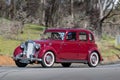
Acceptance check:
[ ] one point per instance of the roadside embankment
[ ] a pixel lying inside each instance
(8, 61)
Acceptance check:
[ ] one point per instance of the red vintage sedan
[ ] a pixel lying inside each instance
(63, 46)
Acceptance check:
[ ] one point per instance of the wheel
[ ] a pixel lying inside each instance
(66, 64)
(93, 59)
(48, 59)
(19, 64)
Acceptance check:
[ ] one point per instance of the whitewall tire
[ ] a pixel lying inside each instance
(93, 59)
(48, 59)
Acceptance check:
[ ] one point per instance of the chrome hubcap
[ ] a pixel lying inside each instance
(48, 59)
(94, 59)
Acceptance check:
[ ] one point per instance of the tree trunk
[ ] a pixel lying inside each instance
(42, 12)
(72, 7)
(51, 13)
(98, 30)
(96, 27)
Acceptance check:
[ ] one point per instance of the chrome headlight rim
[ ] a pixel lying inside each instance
(22, 45)
(37, 46)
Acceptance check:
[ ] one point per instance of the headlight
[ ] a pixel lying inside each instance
(37, 46)
(22, 45)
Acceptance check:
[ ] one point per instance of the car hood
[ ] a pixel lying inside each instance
(42, 42)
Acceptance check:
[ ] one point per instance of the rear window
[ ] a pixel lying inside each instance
(83, 36)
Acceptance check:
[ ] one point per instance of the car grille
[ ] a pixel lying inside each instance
(29, 49)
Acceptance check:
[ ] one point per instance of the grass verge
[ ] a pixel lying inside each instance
(31, 31)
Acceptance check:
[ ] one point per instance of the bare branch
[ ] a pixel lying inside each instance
(108, 13)
(105, 8)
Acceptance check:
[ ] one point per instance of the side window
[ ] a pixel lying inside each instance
(91, 37)
(83, 36)
(71, 36)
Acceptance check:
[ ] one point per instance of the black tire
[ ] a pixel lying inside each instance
(93, 59)
(48, 59)
(66, 64)
(19, 64)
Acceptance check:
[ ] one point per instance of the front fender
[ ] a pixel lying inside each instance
(17, 51)
(45, 49)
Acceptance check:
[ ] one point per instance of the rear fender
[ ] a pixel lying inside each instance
(95, 50)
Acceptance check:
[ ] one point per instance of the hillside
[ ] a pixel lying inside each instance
(9, 41)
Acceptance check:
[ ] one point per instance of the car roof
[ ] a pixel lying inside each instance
(68, 29)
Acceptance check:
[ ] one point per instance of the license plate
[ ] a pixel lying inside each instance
(24, 61)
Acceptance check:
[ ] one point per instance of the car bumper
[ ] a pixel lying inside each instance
(26, 60)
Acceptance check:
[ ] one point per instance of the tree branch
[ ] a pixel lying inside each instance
(107, 14)
(113, 15)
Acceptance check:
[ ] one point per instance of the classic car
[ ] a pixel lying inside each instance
(65, 46)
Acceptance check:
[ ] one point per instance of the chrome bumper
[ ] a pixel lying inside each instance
(26, 60)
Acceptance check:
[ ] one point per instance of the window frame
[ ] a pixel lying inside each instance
(91, 37)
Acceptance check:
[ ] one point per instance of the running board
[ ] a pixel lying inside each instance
(74, 61)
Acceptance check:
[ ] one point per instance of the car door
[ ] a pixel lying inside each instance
(70, 47)
(83, 45)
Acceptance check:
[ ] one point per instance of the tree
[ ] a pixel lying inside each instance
(98, 11)
(105, 8)
(52, 13)
(56, 13)
(118, 5)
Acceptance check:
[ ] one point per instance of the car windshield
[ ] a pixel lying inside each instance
(53, 35)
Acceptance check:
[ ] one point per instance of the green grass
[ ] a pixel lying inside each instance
(31, 31)
(7, 46)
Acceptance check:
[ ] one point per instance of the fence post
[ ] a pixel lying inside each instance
(117, 41)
